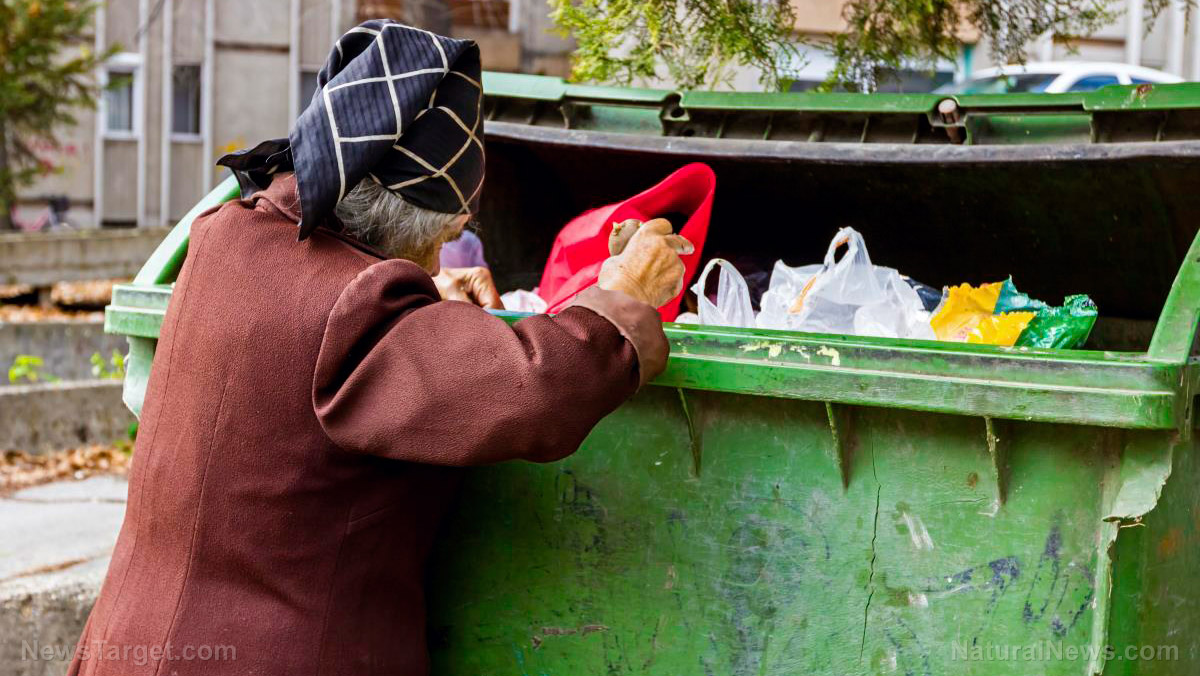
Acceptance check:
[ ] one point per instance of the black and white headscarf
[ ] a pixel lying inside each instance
(395, 103)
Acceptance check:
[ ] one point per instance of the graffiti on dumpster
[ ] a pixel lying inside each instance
(995, 578)
(775, 559)
(1057, 594)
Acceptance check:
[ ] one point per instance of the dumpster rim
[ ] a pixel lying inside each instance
(836, 152)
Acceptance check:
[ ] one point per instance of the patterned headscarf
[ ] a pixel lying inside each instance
(395, 103)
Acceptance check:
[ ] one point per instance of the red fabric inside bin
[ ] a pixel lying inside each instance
(582, 245)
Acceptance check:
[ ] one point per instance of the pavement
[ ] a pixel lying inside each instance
(55, 544)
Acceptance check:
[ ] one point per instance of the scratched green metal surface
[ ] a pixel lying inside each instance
(726, 540)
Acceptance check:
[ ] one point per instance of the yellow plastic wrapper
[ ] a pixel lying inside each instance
(966, 317)
(1001, 329)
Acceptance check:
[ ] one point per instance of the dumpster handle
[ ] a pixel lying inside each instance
(1176, 329)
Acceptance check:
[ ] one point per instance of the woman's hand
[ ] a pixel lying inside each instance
(473, 285)
(645, 261)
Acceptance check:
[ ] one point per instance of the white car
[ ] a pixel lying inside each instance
(1053, 77)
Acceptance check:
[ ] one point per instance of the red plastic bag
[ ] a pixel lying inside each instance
(582, 246)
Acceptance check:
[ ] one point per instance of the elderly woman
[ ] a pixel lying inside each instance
(310, 401)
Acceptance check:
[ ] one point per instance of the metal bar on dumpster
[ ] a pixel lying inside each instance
(1175, 332)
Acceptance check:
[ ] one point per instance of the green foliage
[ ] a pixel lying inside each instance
(695, 41)
(126, 445)
(885, 35)
(29, 369)
(113, 369)
(46, 75)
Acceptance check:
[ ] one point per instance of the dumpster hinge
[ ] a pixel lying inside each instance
(1191, 383)
(950, 118)
(997, 435)
(842, 431)
(693, 434)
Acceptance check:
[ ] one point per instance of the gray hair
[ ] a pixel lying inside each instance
(378, 217)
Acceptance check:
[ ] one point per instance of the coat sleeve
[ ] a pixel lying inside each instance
(403, 375)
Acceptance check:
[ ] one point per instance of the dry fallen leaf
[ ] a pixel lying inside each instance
(94, 294)
(19, 469)
(16, 314)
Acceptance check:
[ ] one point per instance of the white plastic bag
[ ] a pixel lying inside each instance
(785, 285)
(523, 301)
(733, 297)
(848, 296)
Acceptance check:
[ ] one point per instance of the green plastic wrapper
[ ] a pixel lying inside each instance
(1064, 327)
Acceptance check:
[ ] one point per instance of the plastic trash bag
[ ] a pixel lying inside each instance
(849, 296)
(785, 285)
(523, 301)
(1002, 329)
(931, 298)
(968, 315)
(1065, 327)
(733, 297)
(1008, 299)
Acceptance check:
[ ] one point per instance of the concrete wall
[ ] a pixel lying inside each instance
(41, 259)
(815, 17)
(544, 51)
(120, 181)
(188, 163)
(74, 159)
(49, 417)
(251, 108)
(122, 20)
(498, 49)
(66, 346)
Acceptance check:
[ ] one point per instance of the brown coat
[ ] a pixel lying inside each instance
(307, 404)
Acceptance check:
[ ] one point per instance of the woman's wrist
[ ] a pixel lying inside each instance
(624, 284)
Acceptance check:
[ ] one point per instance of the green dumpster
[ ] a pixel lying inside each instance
(788, 503)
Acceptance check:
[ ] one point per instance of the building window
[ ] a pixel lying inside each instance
(121, 119)
(119, 100)
(185, 100)
(308, 87)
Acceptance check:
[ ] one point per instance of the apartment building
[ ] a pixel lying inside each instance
(1172, 45)
(195, 79)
